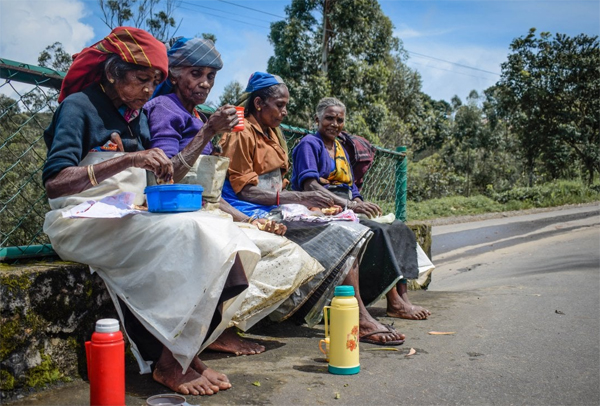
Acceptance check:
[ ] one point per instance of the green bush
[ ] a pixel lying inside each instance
(557, 193)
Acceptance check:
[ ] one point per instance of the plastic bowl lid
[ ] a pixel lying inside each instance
(107, 326)
(174, 187)
(344, 290)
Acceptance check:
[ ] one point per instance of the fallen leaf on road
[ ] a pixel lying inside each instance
(256, 383)
(440, 333)
(337, 395)
(411, 352)
(382, 349)
(558, 312)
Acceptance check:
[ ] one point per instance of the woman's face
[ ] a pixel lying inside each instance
(271, 112)
(331, 123)
(193, 85)
(137, 86)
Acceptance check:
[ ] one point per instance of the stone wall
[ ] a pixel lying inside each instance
(47, 311)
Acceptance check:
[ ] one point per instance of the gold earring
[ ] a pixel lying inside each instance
(146, 90)
(111, 80)
(258, 109)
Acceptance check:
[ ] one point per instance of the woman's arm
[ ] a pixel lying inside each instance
(222, 120)
(75, 179)
(315, 198)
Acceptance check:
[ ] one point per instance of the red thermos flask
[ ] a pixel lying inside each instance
(106, 364)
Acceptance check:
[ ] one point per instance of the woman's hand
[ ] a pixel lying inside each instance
(270, 226)
(317, 198)
(222, 120)
(370, 209)
(154, 160)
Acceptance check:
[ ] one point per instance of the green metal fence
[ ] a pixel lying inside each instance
(27, 112)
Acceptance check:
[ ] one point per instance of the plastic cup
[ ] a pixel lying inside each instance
(166, 400)
(326, 349)
(240, 124)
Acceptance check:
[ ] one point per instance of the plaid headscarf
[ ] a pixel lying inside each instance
(133, 45)
(189, 52)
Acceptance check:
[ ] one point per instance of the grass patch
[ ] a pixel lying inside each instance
(558, 193)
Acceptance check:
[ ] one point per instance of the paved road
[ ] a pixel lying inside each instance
(520, 294)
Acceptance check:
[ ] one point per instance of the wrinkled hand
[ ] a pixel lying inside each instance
(154, 160)
(223, 120)
(317, 198)
(270, 226)
(370, 209)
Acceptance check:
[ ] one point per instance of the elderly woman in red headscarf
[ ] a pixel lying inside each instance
(168, 274)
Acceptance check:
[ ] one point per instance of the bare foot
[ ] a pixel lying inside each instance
(399, 306)
(231, 342)
(374, 332)
(169, 373)
(216, 378)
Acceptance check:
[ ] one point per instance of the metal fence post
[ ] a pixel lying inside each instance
(401, 170)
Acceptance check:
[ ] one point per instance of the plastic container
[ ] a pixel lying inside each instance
(174, 198)
(325, 351)
(167, 400)
(106, 364)
(240, 114)
(342, 328)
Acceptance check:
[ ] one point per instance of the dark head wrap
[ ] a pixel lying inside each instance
(131, 44)
(189, 52)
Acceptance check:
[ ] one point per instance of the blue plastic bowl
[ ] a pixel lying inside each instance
(174, 198)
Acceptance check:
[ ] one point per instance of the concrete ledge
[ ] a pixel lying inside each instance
(48, 311)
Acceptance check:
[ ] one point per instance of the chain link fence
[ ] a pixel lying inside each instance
(27, 111)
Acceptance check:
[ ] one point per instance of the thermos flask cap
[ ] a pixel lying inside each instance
(107, 326)
(344, 290)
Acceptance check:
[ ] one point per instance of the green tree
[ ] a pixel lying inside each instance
(231, 93)
(145, 14)
(549, 93)
(351, 54)
(55, 57)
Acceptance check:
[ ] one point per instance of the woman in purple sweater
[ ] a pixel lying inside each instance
(183, 134)
(321, 163)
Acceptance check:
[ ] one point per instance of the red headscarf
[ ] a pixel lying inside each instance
(131, 44)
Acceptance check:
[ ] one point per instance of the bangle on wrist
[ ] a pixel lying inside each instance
(92, 175)
(180, 156)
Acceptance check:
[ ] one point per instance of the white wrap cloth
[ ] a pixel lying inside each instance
(169, 269)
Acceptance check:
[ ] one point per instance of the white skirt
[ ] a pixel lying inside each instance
(169, 269)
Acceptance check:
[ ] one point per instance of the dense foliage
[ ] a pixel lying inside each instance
(538, 123)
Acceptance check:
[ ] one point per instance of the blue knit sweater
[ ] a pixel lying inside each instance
(85, 120)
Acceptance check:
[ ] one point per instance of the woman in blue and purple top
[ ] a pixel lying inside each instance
(321, 163)
(176, 126)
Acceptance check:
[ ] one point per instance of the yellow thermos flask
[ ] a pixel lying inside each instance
(341, 326)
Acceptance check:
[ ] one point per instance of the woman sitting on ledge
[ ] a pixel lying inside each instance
(255, 178)
(167, 274)
(322, 164)
(183, 133)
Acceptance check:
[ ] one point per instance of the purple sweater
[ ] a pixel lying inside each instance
(311, 161)
(172, 127)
